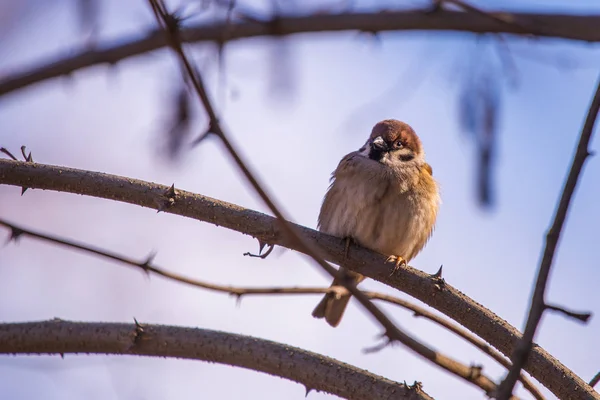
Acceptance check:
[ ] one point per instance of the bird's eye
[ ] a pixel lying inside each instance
(399, 144)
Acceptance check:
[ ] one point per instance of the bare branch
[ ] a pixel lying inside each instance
(479, 320)
(313, 370)
(520, 355)
(170, 25)
(240, 291)
(147, 267)
(469, 337)
(573, 27)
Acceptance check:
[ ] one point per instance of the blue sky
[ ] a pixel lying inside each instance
(111, 119)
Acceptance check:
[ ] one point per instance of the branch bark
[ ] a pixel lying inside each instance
(314, 371)
(473, 316)
(572, 27)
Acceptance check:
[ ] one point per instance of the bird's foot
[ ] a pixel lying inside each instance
(398, 262)
(348, 241)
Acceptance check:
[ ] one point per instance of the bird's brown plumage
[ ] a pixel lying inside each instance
(388, 205)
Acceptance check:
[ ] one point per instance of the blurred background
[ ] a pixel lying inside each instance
(498, 117)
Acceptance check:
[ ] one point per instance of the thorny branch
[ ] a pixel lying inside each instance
(170, 25)
(148, 267)
(314, 371)
(573, 27)
(546, 369)
(538, 302)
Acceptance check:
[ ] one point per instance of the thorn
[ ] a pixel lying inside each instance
(15, 234)
(308, 390)
(139, 332)
(591, 153)
(8, 153)
(62, 355)
(416, 386)
(238, 299)
(580, 316)
(170, 194)
(261, 246)
(28, 158)
(438, 281)
(146, 264)
(201, 138)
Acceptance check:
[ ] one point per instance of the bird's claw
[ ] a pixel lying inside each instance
(398, 262)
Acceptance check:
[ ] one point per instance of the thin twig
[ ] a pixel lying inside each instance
(171, 28)
(574, 27)
(594, 381)
(548, 370)
(148, 267)
(581, 316)
(538, 304)
(8, 153)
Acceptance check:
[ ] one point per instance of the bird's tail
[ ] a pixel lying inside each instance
(332, 306)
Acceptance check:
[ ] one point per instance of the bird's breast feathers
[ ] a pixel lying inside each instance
(390, 211)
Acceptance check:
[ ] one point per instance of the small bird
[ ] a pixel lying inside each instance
(382, 197)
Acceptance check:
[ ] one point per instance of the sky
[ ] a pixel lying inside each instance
(112, 120)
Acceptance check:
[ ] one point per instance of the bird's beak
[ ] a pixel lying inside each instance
(378, 148)
(379, 144)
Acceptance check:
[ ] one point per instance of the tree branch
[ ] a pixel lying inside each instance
(573, 27)
(538, 303)
(473, 316)
(314, 371)
(458, 331)
(170, 24)
(148, 267)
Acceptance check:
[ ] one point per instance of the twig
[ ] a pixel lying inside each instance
(538, 304)
(548, 370)
(581, 316)
(171, 28)
(574, 27)
(8, 153)
(314, 371)
(148, 267)
(594, 381)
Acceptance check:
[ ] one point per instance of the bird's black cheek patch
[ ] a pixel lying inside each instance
(375, 154)
(406, 157)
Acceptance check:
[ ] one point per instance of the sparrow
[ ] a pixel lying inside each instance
(382, 197)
